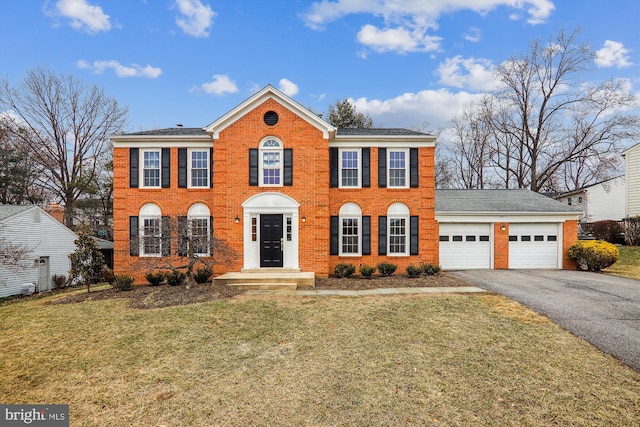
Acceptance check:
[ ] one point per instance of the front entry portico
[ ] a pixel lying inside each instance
(270, 231)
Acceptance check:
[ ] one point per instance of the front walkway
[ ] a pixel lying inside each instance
(368, 292)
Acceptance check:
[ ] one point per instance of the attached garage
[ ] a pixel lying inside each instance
(465, 246)
(516, 229)
(534, 245)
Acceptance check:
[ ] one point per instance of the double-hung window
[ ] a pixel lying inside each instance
(271, 163)
(151, 168)
(199, 168)
(199, 229)
(350, 168)
(398, 229)
(397, 167)
(150, 230)
(350, 230)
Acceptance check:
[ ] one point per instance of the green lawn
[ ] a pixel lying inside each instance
(266, 360)
(628, 264)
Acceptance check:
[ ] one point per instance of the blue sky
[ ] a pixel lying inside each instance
(406, 63)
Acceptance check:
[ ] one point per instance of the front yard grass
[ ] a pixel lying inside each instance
(628, 264)
(268, 360)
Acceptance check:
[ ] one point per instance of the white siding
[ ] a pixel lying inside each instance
(47, 237)
(605, 201)
(632, 159)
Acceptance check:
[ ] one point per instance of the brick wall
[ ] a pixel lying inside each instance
(500, 246)
(569, 236)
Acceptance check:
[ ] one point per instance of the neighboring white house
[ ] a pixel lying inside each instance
(49, 241)
(602, 201)
(632, 162)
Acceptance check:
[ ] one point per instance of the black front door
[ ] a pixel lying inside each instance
(271, 238)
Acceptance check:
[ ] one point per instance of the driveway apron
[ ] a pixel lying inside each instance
(601, 309)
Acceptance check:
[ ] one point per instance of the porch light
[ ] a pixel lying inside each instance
(237, 219)
(304, 219)
(503, 227)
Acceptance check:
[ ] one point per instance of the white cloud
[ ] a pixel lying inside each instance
(418, 11)
(400, 40)
(413, 110)
(83, 16)
(613, 54)
(288, 87)
(133, 70)
(220, 85)
(195, 18)
(473, 35)
(471, 73)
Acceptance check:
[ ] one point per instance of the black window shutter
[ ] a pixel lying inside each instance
(415, 233)
(211, 167)
(366, 235)
(288, 166)
(182, 168)
(253, 166)
(134, 244)
(333, 244)
(414, 176)
(166, 235)
(382, 167)
(134, 162)
(382, 235)
(183, 238)
(366, 167)
(166, 167)
(211, 240)
(333, 167)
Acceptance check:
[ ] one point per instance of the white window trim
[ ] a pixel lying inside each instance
(350, 211)
(149, 211)
(141, 167)
(399, 211)
(189, 168)
(359, 167)
(406, 167)
(200, 211)
(261, 152)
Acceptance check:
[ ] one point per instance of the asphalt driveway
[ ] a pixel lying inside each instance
(602, 309)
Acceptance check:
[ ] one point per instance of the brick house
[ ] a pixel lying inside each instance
(284, 190)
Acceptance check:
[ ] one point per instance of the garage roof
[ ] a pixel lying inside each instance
(499, 201)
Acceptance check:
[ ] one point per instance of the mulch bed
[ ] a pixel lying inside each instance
(146, 296)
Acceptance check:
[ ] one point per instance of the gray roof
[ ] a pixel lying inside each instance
(498, 201)
(10, 210)
(178, 131)
(378, 132)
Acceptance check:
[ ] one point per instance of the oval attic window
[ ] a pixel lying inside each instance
(271, 118)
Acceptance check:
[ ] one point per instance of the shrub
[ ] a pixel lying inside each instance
(430, 269)
(344, 270)
(60, 281)
(175, 278)
(610, 231)
(203, 275)
(108, 276)
(593, 255)
(154, 279)
(413, 271)
(387, 269)
(632, 230)
(123, 282)
(367, 271)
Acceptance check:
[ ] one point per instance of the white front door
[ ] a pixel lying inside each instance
(43, 274)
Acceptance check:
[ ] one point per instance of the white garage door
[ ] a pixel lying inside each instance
(465, 246)
(533, 245)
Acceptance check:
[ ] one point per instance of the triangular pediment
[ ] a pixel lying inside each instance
(269, 92)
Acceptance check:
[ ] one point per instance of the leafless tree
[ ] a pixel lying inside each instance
(545, 128)
(64, 125)
(183, 243)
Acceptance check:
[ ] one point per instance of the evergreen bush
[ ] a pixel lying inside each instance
(387, 269)
(367, 271)
(593, 255)
(344, 270)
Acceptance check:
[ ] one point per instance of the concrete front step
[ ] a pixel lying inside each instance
(256, 286)
(269, 277)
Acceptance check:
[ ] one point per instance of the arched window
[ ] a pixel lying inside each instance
(350, 230)
(150, 230)
(398, 229)
(270, 162)
(199, 229)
